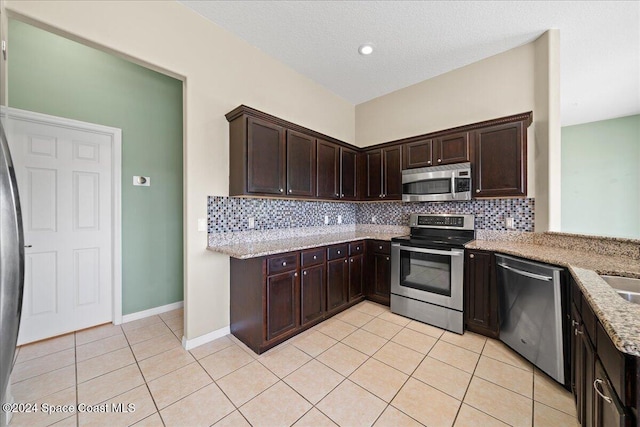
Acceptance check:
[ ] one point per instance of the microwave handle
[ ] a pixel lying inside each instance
(453, 252)
(453, 185)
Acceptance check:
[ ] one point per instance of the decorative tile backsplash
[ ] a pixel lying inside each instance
(230, 214)
(490, 214)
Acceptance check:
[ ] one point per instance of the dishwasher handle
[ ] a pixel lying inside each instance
(526, 273)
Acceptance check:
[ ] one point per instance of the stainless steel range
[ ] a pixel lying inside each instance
(427, 269)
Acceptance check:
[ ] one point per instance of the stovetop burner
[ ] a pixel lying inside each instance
(439, 231)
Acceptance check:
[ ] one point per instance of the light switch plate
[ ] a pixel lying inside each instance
(252, 223)
(142, 181)
(509, 223)
(326, 219)
(339, 219)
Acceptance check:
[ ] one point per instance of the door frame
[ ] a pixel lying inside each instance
(115, 136)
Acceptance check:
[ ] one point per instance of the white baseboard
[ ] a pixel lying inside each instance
(203, 339)
(152, 312)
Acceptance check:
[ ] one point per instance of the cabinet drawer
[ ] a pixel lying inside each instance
(381, 247)
(336, 252)
(312, 257)
(356, 248)
(279, 264)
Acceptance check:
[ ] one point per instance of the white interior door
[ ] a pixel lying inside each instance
(65, 177)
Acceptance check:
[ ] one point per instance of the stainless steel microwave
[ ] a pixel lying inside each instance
(437, 183)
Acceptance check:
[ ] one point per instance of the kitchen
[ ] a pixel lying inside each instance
(207, 304)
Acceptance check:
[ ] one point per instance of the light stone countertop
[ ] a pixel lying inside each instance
(620, 318)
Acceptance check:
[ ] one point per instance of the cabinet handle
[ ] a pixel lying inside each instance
(477, 190)
(472, 256)
(281, 190)
(304, 273)
(577, 332)
(284, 263)
(597, 382)
(574, 323)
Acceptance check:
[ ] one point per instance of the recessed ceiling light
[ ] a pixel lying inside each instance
(365, 49)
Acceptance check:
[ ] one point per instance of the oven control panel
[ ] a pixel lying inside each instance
(465, 222)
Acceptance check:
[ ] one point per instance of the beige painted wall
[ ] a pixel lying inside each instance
(220, 72)
(497, 86)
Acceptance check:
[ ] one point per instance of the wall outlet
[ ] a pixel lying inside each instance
(202, 224)
(252, 223)
(326, 219)
(509, 224)
(373, 219)
(339, 219)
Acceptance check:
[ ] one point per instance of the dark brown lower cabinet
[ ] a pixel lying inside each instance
(379, 277)
(312, 293)
(604, 380)
(480, 293)
(337, 283)
(356, 264)
(281, 309)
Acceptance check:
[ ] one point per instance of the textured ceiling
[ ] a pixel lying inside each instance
(418, 40)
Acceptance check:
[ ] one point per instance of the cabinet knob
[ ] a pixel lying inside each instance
(384, 195)
(472, 256)
(337, 195)
(315, 257)
(281, 190)
(345, 260)
(304, 273)
(357, 248)
(477, 190)
(295, 274)
(290, 191)
(341, 196)
(284, 263)
(351, 259)
(339, 252)
(387, 258)
(428, 162)
(380, 247)
(439, 160)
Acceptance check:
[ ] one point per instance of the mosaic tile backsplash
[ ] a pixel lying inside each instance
(231, 214)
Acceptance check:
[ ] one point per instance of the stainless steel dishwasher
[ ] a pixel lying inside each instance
(531, 312)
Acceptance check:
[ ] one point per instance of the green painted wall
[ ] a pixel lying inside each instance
(601, 178)
(53, 75)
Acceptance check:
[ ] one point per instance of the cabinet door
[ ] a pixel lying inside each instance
(355, 277)
(281, 304)
(608, 410)
(381, 291)
(452, 148)
(481, 299)
(265, 157)
(417, 154)
(337, 283)
(374, 188)
(348, 174)
(328, 172)
(500, 161)
(301, 164)
(392, 161)
(312, 288)
(577, 365)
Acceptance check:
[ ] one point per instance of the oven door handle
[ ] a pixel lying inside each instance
(431, 251)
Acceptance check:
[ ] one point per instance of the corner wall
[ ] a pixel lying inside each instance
(220, 72)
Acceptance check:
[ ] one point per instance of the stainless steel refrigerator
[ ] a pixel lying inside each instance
(11, 265)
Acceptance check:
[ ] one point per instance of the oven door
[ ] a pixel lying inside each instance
(430, 275)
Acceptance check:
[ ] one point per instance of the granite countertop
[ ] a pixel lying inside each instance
(256, 245)
(620, 318)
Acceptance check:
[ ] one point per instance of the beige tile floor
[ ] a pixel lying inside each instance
(366, 366)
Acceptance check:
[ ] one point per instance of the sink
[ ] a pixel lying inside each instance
(627, 287)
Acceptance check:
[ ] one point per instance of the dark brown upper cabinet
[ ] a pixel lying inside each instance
(418, 154)
(265, 158)
(301, 164)
(328, 170)
(383, 175)
(348, 174)
(452, 148)
(500, 161)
